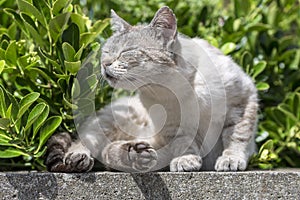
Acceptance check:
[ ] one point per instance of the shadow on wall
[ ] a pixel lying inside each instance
(33, 186)
(152, 186)
(36, 186)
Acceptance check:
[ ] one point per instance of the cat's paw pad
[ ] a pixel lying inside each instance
(186, 163)
(142, 156)
(79, 162)
(230, 163)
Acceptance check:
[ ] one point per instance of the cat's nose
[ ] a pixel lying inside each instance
(106, 63)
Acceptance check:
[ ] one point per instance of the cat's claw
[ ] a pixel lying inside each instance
(142, 156)
(230, 163)
(186, 163)
(79, 162)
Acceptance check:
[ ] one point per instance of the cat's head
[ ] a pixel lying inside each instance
(134, 54)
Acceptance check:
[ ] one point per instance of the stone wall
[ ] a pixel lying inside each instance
(282, 184)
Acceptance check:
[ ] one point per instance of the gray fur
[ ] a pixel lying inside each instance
(195, 109)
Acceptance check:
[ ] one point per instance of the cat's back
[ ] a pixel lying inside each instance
(218, 69)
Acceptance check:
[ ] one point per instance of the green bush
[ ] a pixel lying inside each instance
(44, 43)
(41, 50)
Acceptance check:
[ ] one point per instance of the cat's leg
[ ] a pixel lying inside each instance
(186, 163)
(129, 156)
(188, 160)
(238, 141)
(64, 155)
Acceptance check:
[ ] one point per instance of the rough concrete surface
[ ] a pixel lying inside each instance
(282, 184)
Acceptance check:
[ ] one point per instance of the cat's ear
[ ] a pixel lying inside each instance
(117, 23)
(165, 19)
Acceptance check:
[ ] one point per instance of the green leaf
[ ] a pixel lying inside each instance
(48, 129)
(86, 106)
(12, 153)
(265, 166)
(5, 140)
(71, 35)
(81, 21)
(23, 61)
(92, 81)
(17, 19)
(241, 8)
(40, 153)
(43, 73)
(228, 48)
(40, 121)
(32, 29)
(8, 111)
(78, 54)
(14, 104)
(262, 86)
(59, 5)
(75, 89)
(29, 9)
(295, 64)
(288, 113)
(34, 114)
(87, 38)
(296, 105)
(2, 65)
(2, 103)
(4, 123)
(43, 7)
(11, 53)
(68, 51)
(267, 145)
(100, 25)
(259, 27)
(57, 25)
(26, 102)
(259, 68)
(68, 103)
(72, 67)
(50, 59)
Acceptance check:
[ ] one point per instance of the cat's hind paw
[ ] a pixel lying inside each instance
(186, 163)
(230, 163)
(78, 162)
(142, 156)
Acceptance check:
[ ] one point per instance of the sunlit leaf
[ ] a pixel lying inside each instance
(48, 129)
(259, 68)
(27, 101)
(58, 24)
(11, 153)
(34, 114)
(28, 8)
(262, 86)
(72, 67)
(68, 51)
(39, 121)
(228, 48)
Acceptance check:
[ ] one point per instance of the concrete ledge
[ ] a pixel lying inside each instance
(281, 184)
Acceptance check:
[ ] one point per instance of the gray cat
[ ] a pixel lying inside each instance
(195, 109)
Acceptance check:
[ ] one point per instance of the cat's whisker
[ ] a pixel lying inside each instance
(141, 82)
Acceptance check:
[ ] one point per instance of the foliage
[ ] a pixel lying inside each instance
(41, 51)
(282, 125)
(43, 47)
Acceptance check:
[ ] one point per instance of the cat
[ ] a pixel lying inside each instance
(194, 108)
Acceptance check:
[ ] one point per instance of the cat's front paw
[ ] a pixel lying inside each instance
(79, 162)
(142, 156)
(186, 163)
(231, 163)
